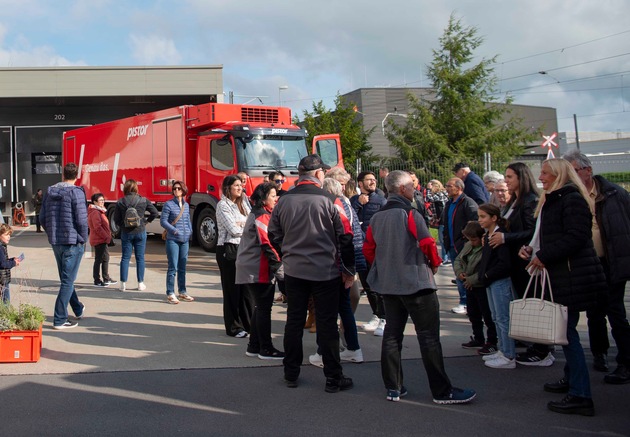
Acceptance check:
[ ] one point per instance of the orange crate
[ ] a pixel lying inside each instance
(20, 346)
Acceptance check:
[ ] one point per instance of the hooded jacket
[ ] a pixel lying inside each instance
(64, 214)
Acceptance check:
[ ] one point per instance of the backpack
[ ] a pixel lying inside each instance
(132, 218)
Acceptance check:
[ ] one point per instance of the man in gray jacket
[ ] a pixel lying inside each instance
(404, 259)
(64, 218)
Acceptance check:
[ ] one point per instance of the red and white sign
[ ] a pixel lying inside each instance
(549, 142)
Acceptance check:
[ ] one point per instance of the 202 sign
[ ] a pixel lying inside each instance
(59, 117)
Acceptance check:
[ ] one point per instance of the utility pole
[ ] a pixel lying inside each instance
(577, 137)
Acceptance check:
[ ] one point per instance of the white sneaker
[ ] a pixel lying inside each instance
(380, 329)
(459, 309)
(372, 324)
(141, 286)
(501, 362)
(493, 356)
(316, 360)
(122, 286)
(352, 356)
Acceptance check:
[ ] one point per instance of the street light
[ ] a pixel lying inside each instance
(390, 114)
(280, 89)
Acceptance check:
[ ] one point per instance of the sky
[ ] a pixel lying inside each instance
(319, 48)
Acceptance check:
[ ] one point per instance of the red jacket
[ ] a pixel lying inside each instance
(99, 226)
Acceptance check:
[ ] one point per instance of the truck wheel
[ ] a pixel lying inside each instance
(207, 235)
(113, 226)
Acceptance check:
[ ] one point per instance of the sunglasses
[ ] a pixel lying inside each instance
(177, 189)
(279, 181)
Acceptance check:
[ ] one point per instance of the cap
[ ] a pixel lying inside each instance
(457, 167)
(312, 162)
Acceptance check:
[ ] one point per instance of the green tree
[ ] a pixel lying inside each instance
(344, 121)
(464, 120)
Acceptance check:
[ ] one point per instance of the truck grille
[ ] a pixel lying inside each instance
(259, 115)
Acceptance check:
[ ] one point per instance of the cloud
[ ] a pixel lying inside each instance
(154, 50)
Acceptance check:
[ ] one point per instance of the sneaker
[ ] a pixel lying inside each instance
(316, 360)
(456, 396)
(82, 313)
(241, 334)
(185, 297)
(291, 383)
(271, 354)
(395, 395)
(501, 362)
(141, 286)
(473, 344)
(380, 328)
(459, 309)
(352, 356)
(534, 359)
(372, 324)
(493, 356)
(122, 286)
(66, 325)
(110, 281)
(100, 284)
(252, 352)
(172, 299)
(488, 349)
(333, 385)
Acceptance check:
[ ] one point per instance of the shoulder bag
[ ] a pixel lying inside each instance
(165, 232)
(536, 320)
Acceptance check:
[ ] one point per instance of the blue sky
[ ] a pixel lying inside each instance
(324, 47)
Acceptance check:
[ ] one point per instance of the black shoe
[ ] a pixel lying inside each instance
(560, 386)
(573, 405)
(271, 354)
(473, 344)
(100, 284)
(600, 363)
(333, 385)
(252, 351)
(621, 375)
(291, 383)
(110, 281)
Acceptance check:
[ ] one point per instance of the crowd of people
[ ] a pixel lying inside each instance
(496, 231)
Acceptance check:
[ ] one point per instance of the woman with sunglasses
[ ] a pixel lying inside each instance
(175, 219)
(278, 178)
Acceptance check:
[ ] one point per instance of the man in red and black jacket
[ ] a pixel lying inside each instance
(309, 227)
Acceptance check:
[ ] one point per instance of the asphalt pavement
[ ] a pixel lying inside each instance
(137, 365)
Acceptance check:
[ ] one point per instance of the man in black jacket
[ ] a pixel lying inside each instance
(611, 238)
(458, 211)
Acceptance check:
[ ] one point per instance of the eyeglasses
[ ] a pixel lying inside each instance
(279, 181)
(501, 191)
(100, 200)
(449, 186)
(177, 189)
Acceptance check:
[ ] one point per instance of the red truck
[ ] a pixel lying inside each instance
(197, 144)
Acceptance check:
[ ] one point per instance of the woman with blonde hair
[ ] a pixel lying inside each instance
(436, 194)
(563, 245)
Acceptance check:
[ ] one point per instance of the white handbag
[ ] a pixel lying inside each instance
(537, 320)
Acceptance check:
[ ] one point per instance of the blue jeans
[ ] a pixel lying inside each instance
(177, 255)
(460, 285)
(137, 243)
(350, 333)
(424, 310)
(6, 294)
(575, 368)
(68, 257)
(500, 295)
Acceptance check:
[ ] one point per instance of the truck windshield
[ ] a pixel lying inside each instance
(272, 151)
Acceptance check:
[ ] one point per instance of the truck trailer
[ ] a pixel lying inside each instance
(199, 145)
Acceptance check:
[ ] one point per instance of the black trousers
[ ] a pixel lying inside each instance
(101, 262)
(260, 334)
(479, 313)
(238, 303)
(326, 298)
(614, 308)
(375, 299)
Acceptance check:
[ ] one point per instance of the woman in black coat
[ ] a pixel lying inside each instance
(563, 245)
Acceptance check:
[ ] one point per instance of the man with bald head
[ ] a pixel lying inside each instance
(458, 211)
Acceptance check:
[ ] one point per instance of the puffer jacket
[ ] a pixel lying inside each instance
(566, 250)
(612, 211)
(182, 230)
(365, 212)
(99, 226)
(64, 214)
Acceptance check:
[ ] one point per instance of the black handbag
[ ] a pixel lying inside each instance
(230, 251)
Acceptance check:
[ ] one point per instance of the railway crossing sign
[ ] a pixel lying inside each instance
(549, 142)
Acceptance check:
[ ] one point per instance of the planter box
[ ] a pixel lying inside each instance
(20, 346)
